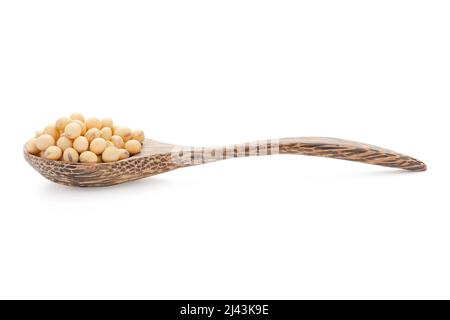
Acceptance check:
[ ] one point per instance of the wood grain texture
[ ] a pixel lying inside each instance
(156, 158)
(350, 150)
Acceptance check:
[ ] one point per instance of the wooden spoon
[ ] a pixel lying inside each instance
(157, 157)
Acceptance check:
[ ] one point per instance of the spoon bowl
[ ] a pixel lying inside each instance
(158, 157)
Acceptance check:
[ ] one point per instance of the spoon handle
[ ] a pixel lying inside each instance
(309, 146)
(350, 150)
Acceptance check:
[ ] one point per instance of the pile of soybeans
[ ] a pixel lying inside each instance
(90, 140)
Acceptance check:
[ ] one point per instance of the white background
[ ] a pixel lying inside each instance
(221, 72)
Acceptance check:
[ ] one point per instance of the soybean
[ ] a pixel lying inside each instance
(44, 141)
(51, 130)
(93, 123)
(82, 125)
(106, 133)
(53, 153)
(124, 154)
(110, 154)
(77, 116)
(133, 146)
(98, 145)
(74, 139)
(91, 134)
(81, 144)
(72, 130)
(118, 141)
(70, 155)
(138, 135)
(124, 132)
(64, 143)
(31, 146)
(88, 157)
(61, 123)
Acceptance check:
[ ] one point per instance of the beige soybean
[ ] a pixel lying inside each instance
(81, 144)
(61, 123)
(92, 133)
(88, 157)
(118, 141)
(64, 143)
(53, 153)
(72, 130)
(107, 122)
(45, 141)
(82, 125)
(70, 155)
(98, 145)
(74, 139)
(111, 154)
(138, 135)
(124, 132)
(51, 130)
(124, 154)
(31, 146)
(77, 116)
(106, 133)
(133, 146)
(93, 123)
